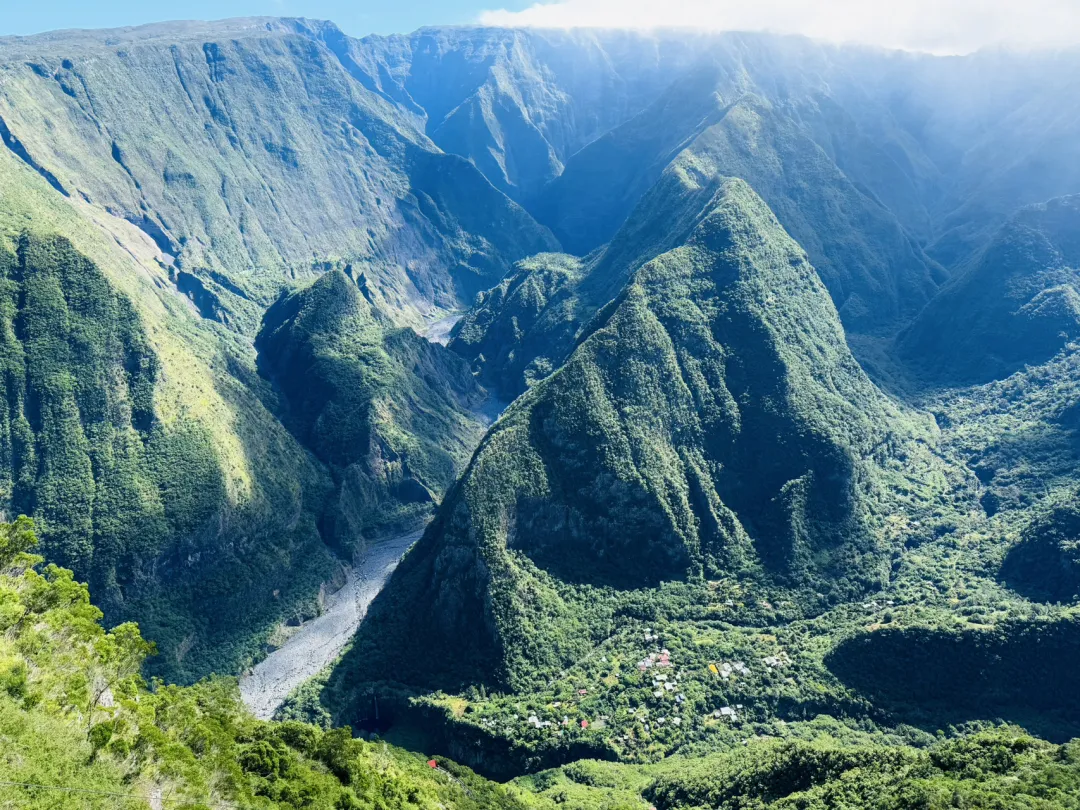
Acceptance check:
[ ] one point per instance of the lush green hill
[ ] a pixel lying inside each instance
(391, 414)
(713, 425)
(1045, 564)
(1016, 305)
(196, 557)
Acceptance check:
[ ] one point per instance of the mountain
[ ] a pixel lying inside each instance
(392, 415)
(251, 154)
(162, 183)
(714, 424)
(998, 125)
(518, 104)
(720, 120)
(1016, 305)
(560, 310)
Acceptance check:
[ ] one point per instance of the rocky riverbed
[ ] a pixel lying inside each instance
(317, 643)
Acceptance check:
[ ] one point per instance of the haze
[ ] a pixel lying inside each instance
(936, 26)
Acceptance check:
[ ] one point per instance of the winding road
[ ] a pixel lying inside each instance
(318, 643)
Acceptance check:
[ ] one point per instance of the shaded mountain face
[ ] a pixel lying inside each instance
(1009, 143)
(388, 412)
(199, 169)
(726, 119)
(1045, 564)
(249, 152)
(767, 109)
(713, 424)
(516, 103)
(1017, 304)
(140, 505)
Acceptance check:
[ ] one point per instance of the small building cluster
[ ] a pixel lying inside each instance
(655, 659)
(726, 669)
(776, 661)
(730, 713)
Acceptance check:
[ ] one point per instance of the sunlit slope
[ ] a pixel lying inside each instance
(713, 424)
(249, 150)
(139, 438)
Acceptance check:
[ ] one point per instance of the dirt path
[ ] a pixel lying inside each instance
(317, 643)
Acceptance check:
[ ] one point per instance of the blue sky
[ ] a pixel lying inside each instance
(939, 26)
(357, 17)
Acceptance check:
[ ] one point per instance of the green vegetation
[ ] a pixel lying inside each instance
(249, 151)
(129, 500)
(1021, 670)
(1001, 768)
(1017, 304)
(502, 335)
(714, 433)
(702, 560)
(1045, 564)
(391, 414)
(74, 713)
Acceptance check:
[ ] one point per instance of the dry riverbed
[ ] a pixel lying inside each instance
(317, 643)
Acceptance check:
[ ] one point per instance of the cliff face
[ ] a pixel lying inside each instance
(389, 413)
(250, 152)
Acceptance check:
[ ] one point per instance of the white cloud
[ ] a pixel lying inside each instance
(939, 26)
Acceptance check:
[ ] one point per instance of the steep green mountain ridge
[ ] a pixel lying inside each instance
(391, 414)
(713, 425)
